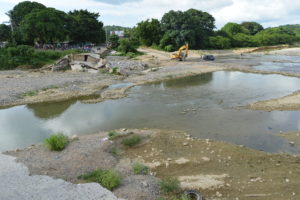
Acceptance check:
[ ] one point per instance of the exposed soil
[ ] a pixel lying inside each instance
(27, 87)
(85, 154)
(217, 170)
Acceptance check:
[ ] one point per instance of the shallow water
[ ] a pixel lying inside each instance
(206, 106)
(277, 63)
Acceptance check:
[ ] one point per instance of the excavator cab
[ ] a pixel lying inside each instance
(182, 53)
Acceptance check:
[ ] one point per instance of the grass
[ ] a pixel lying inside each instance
(116, 152)
(130, 54)
(139, 168)
(132, 141)
(107, 178)
(169, 185)
(113, 135)
(50, 87)
(56, 142)
(30, 93)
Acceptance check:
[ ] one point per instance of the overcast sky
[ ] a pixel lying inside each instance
(129, 12)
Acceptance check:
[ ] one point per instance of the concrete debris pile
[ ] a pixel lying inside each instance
(124, 66)
(90, 62)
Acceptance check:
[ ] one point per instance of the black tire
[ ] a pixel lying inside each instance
(193, 194)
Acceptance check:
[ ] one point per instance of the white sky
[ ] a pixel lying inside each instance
(129, 12)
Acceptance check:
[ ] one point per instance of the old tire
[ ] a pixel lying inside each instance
(193, 194)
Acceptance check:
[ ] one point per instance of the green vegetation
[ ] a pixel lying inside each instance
(33, 23)
(116, 152)
(132, 141)
(23, 55)
(5, 32)
(30, 93)
(56, 142)
(107, 178)
(169, 185)
(139, 168)
(113, 135)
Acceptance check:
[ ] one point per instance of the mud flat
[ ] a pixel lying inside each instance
(217, 170)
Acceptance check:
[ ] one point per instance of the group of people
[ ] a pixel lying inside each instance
(63, 46)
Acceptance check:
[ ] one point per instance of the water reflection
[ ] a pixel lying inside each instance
(202, 105)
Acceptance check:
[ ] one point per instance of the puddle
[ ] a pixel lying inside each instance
(204, 106)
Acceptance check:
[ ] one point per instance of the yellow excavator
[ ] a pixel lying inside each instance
(182, 53)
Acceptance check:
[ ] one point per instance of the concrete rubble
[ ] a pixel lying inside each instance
(16, 183)
(93, 62)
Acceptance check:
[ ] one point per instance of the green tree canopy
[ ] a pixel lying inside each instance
(233, 28)
(149, 32)
(18, 13)
(46, 26)
(85, 27)
(192, 26)
(275, 36)
(5, 32)
(252, 27)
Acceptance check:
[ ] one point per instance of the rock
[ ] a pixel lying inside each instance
(206, 159)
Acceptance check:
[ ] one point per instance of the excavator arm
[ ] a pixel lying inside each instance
(182, 53)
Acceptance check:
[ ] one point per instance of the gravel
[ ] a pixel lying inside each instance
(15, 83)
(17, 184)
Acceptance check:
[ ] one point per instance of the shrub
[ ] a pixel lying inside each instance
(126, 46)
(113, 135)
(107, 178)
(115, 152)
(139, 168)
(132, 141)
(56, 142)
(169, 185)
(169, 48)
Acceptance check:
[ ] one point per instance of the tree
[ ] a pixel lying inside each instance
(275, 36)
(85, 27)
(252, 27)
(243, 40)
(18, 13)
(114, 40)
(149, 32)
(219, 42)
(126, 46)
(192, 26)
(5, 32)
(233, 28)
(46, 26)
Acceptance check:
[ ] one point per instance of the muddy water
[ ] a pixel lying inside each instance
(207, 106)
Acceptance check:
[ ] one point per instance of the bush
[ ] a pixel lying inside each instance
(126, 46)
(56, 142)
(22, 55)
(169, 185)
(169, 48)
(107, 178)
(115, 152)
(139, 168)
(132, 141)
(219, 42)
(113, 135)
